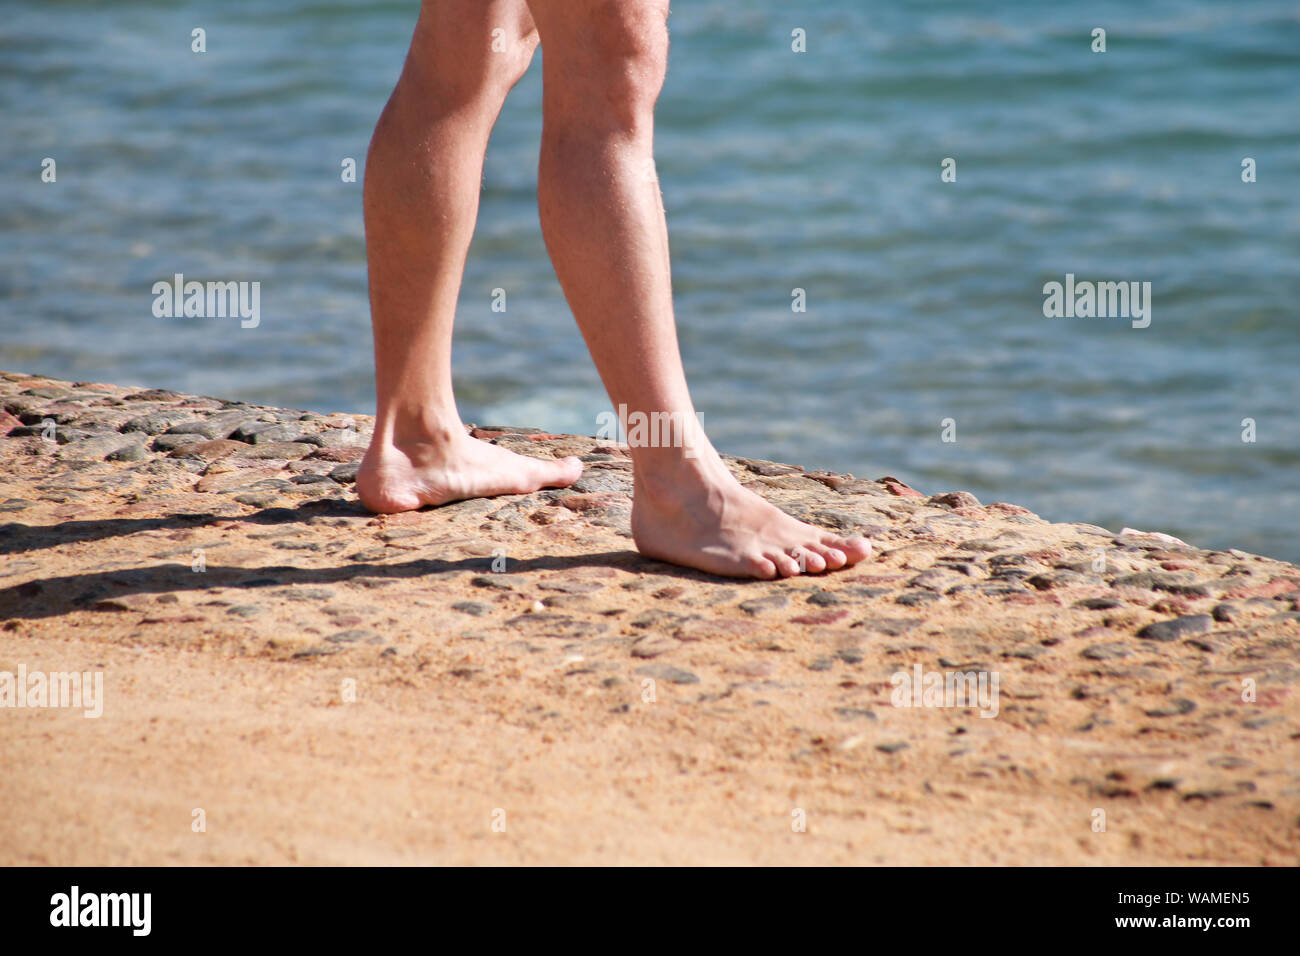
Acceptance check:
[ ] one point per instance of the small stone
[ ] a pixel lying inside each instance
(935, 579)
(603, 480)
(256, 432)
(855, 713)
(954, 499)
(1226, 613)
(320, 650)
(892, 748)
(170, 443)
(1099, 603)
(824, 598)
(769, 468)
(857, 486)
(210, 450)
(340, 453)
(1178, 627)
(257, 499)
(201, 429)
(155, 423)
(354, 636)
(666, 672)
(547, 624)
(132, 452)
(148, 395)
(571, 586)
(497, 582)
(821, 618)
(598, 501)
(1175, 708)
(1052, 580)
(839, 520)
(652, 645)
(286, 450)
(346, 474)
(1107, 652)
(471, 607)
(896, 486)
(100, 446)
(773, 602)
(890, 626)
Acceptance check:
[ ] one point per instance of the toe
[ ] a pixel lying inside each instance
(786, 566)
(853, 549)
(833, 558)
(760, 567)
(560, 472)
(811, 560)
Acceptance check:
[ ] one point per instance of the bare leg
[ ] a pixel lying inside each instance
(603, 220)
(423, 176)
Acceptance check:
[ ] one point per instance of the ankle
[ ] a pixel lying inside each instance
(419, 432)
(665, 481)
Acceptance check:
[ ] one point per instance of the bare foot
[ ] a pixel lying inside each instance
(402, 478)
(713, 524)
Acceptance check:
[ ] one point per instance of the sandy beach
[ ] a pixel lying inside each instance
(289, 679)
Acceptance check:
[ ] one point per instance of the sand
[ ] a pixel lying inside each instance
(288, 679)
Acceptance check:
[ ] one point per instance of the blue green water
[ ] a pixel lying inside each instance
(781, 170)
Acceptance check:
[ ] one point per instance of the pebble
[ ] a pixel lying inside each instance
(1107, 652)
(341, 453)
(556, 625)
(286, 450)
(890, 626)
(355, 636)
(212, 428)
(1099, 603)
(954, 499)
(666, 672)
(825, 598)
(497, 582)
(155, 423)
(568, 586)
(773, 602)
(257, 499)
(653, 645)
(855, 713)
(1226, 613)
(838, 520)
(1178, 627)
(255, 432)
(132, 452)
(1175, 708)
(98, 447)
(822, 618)
(596, 481)
(474, 608)
(208, 450)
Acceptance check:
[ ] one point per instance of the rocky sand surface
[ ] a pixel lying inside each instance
(506, 680)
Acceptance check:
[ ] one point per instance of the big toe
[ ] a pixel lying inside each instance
(854, 549)
(560, 472)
